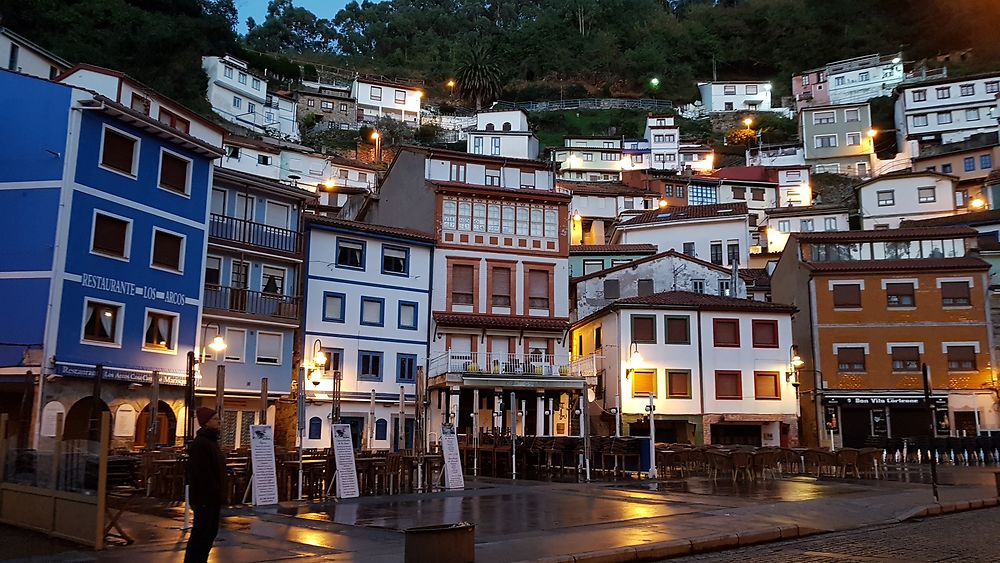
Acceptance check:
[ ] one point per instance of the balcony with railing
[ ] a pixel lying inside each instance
(245, 302)
(503, 365)
(257, 235)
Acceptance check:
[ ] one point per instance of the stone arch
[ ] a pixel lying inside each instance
(166, 425)
(83, 420)
(506, 126)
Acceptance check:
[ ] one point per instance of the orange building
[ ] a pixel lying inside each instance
(874, 307)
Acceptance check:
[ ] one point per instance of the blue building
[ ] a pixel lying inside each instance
(252, 296)
(104, 228)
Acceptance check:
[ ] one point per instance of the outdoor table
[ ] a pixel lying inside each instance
(290, 471)
(369, 469)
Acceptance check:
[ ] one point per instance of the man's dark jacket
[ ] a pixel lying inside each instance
(206, 469)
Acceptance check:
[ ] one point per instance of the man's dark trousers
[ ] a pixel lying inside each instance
(206, 527)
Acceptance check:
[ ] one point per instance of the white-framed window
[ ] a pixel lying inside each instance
(343, 107)
(659, 157)
(886, 198)
(920, 95)
(830, 224)
(852, 115)
(111, 236)
(272, 280)
(495, 145)
(400, 96)
(609, 156)
(806, 225)
(926, 195)
(256, 84)
(805, 79)
(967, 90)
(269, 345)
(729, 90)
(236, 344)
(853, 139)
(119, 152)
(751, 89)
(276, 214)
(237, 102)
(167, 251)
(824, 117)
(175, 172)
(251, 107)
(213, 270)
(326, 105)
(920, 120)
(864, 77)
(588, 157)
(943, 93)
(944, 118)
(227, 72)
(839, 81)
(993, 87)
(972, 114)
(102, 323)
(825, 141)
(160, 331)
(375, 93)
(243, 78)
(784, 225)
(591, 266)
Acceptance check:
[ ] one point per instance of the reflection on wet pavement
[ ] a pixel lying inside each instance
(773, 490)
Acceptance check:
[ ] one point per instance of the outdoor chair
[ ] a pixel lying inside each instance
(820, 459)
(847, 458)
(718, 462)
(742, 461)
(789, 460)
(868, 461)
(766, 461)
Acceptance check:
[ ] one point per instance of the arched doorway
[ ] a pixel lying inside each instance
(83, 421)
(166, 426)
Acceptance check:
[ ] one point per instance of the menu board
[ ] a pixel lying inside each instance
(453, 478)
(265, 481)
(343, 452)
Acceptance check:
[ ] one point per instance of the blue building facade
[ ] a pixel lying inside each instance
(252, 296)
(105, 220)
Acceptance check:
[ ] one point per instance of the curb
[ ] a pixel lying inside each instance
(716, 542)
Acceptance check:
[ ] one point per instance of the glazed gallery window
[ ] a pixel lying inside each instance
(480, 217)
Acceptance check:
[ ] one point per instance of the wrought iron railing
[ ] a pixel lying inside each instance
(502, 364)
(238, 300)
(254, 234)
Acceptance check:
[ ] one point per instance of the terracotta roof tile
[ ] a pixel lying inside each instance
(891, 234)
(746, 173)
(918, 264)
(672, 214)
(601, 188)
(756, 277)
(705, 302)
(370, 228)
(612, 249)
(645, 259)
(517, 322)
(971, 218)
(470, 189)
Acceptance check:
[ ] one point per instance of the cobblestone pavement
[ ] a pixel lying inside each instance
(966, 537)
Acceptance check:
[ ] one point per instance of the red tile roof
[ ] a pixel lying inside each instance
(640, 261)
(971, 218)
(689, 212)
(602, 188)
(879, 235)
(459, 155)
(523, 193)
(756, 277)
(370, 228)
(916, 264)
(517, 322)
(746, 173)
(704, 302)
(612, 249)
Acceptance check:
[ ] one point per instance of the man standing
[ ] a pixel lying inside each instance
(206, 479)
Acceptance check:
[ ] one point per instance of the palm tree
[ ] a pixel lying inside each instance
(480, 76)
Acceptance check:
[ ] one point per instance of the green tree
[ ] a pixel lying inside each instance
(289, 28)
(479, 77)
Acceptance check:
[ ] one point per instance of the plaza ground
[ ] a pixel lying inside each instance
(531, 520)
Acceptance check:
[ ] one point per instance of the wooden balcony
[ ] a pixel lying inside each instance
(255, 235)
(248, 303)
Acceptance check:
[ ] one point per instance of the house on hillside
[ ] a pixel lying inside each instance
(838, 139)
(239, 95)
(21, 55)
(380, 98)
(946, 110)
(586, 259)
(503, 133)
(885, 201)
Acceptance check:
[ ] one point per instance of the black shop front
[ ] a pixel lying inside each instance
(856, 417)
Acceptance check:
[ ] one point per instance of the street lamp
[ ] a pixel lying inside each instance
(748, 122)
(794, 363)
(218, 343)
(662, 203)
(451, 86)
(654, 82)
(319, 360)
(576, 216)
(978, 202)
(378, 145)
(634, 359)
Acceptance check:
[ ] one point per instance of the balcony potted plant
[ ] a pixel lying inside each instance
(563, 370)
(472, 367)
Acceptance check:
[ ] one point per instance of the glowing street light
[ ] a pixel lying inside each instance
(378, 145)
(662, 203)
(872, 133)
(451, 86)
(654, 82)
(577, 217)
(748, 122)
(978, 202)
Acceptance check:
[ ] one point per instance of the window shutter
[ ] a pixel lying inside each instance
(726, 332)
(955, 290)
(645, 287)
(117, 151)
(173, 173)
(538, 284)
(677, 330)
(643, 329)
(110, 234)
(728, 384)
(851, 356)
(678, 382)
(611, 289)
(765, 333)
(906, 354)
(462, 278)
(167, 250)
(501, 281)
(899, 289)
(847, 295)
(961, 354)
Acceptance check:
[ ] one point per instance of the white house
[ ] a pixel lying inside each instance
(597, 205)
(716, 233)
(20, 55)
(591, 159)
(666, 271)
(860, 79)
(503, 133)
(281, 111)
(696, 157)
(239, 95)
(717, 368)
(726, 96)
(133, 94)
(946, 110)
(368, 312)
(664, 138)
(776, 155)
(780, 221)
(887, 200)
(376, 98)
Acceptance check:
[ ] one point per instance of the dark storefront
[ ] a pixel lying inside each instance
(858, 417)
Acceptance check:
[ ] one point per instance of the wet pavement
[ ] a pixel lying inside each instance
(528, 520)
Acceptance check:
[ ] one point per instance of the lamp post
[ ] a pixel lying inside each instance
(651, 408)
(792, 375)
(748, 122)
(451, 87)
(378, 145)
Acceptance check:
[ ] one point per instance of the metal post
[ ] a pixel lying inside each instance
(24, 414)
(263, 400)
(220, 389)
(932, 414)
(552, 418)
(475, 432)
(302, 421)
(652, 438)
(585, 430)
(513, 435)
(618, 416)
(401, 434)
(189, 399)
